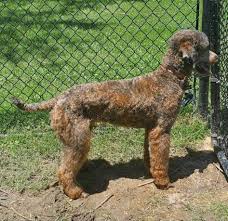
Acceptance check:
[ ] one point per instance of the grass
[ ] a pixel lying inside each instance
(209, 206)
(48, 46)
(221, 211)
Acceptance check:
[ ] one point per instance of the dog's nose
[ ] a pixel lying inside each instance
(213, 58)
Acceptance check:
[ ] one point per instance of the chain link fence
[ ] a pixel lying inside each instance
(223, 66)
(47, 46)
(219, 81)
(219, 88)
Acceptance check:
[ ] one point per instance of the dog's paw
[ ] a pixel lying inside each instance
(84, 195)
(162, 183)
(75, 192)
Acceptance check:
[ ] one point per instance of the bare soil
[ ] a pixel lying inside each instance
(121, 192)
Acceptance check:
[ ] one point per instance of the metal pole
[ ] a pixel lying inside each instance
(204, 82)
(215, 79)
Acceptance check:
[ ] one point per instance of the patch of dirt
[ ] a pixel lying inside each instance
(120, 192)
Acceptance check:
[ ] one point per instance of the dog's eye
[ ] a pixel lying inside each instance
(180, 53)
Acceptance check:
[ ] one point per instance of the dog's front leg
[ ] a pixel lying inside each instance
(147, 155)
(159, 143)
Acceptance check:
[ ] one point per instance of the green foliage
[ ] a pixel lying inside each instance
(188, 130)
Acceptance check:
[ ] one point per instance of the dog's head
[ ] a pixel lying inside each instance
(192, 48)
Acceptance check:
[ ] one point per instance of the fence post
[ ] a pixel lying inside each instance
(204, 82)
(215, 78)
(210, 26)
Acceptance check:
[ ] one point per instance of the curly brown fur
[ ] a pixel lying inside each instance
(151, 101)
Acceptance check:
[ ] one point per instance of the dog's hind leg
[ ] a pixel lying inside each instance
(75, 133)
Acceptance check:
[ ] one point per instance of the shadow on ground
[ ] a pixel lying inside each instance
(96, 177)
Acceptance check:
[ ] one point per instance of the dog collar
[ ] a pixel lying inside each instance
(182, 79)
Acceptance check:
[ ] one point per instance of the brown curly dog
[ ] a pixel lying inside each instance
(151, 101)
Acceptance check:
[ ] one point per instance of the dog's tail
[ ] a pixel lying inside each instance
(44, 105)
